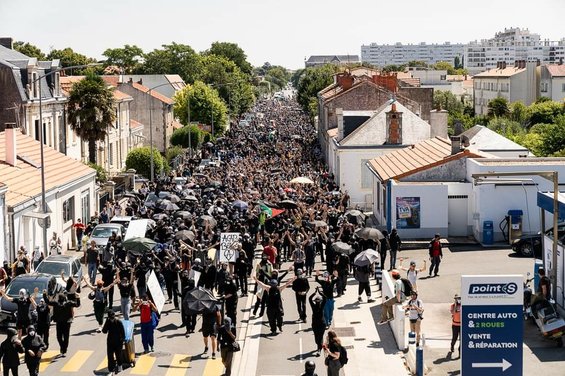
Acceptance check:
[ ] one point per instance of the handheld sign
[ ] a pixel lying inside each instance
(156, 292)
(229, 242)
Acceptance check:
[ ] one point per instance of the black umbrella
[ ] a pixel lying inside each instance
(355, 216)
(288, 204)
(366, 257)
(202, 220)
(160, 216)
(199, 300)
(185, 235)
(182, 214)
(138, 246)
(191, 198)
(342, 247)
(369, 233)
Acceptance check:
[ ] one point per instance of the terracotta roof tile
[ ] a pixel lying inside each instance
(497, 72)
(111, 79)
(155, 94)
(332, 132)
(68, 81)
(121, 96)
(419, 157)
(24, 180)
(556, 70)
(134, 124)
(177, 125)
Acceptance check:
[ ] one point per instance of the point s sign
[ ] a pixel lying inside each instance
(488, 289)
(493, 288)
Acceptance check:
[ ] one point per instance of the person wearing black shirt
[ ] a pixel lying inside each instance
(114, 341)
(126, 291)
(10, 349)
(43, 319)
(230, 294)
(24, 301)
(187, 284)
(300, 286)
(226, 337)
(63, 317)
(108, 273)
(241, 271)
(170, 273)
(317, 303)
(34, 348)
(328, 285)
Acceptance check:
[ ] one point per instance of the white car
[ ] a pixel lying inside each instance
(53, 265)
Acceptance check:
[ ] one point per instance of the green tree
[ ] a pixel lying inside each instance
(448, 101)
(457, 64)
(29, 49)
(180, 137)
(394, 68)
(71, 58)
(278, 77)
(552, 136)
(90, 111)
(233, 52)
(545, 112)
(505, 127)
(311, 82)
(173, 152)
(519, 113)
(206, 106)
(498, 107)
(173, 58)
(418, 63)
(531, 140)
(101, 175)
(140, 160)
(127, 58)
(295, 78)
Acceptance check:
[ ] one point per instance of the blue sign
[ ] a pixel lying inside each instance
(491, 325)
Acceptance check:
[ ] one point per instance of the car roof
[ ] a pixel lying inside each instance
(111, 225)
(122, 218)
(60, 258)
(32, 277)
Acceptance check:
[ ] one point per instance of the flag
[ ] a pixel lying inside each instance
(270, 211)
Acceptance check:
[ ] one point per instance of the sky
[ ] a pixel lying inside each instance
(280, 32)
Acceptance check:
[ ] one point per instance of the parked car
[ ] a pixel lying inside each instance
(53, 265)
(530, 244)
(123, 220)
(28, 282)
(103, 231)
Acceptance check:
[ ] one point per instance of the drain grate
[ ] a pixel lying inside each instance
(348, 347)
(345, 331)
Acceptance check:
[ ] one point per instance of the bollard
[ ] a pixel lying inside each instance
(411, 339)
(420, 361)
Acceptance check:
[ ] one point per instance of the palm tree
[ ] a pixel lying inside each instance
(91, 111)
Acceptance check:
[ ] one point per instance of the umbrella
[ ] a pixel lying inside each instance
(182, 214)
(302, 180)
(160, 216)
(209, 144)
(139, 246)
(342, 247)
(240, 205)
(213, 208)
(318, 224)
(166, 205)
(355, 216)
(185, 235)
(199, 300)
(209, 189)
(174, 199)
(288, 204)
(202, 220)
(191, 198)
(366, 258)
(369, 233)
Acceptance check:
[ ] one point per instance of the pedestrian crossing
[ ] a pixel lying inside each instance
(81, 362)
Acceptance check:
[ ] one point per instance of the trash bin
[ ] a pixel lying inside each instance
(488, 234)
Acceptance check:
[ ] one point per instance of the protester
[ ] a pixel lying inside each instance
(436, 254)
(300, 286)
(455, 311)
(363, 274)
(415, 309)
(328, 284)
(63, 317)
(332, 352)
(34, 348)
(399, 297)
(226, 339)
(317, 303)
(147, 310)
(24, 301)
(79, 231)
(395, 243)
(10, 349)
(275, 311)
(114, 341)
(99, 297)
(412, 272)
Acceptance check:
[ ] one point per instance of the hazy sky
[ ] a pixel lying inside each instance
(281, 32)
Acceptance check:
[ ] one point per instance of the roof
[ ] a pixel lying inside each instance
(497, 72)
(320, 59)
(485, 139)
(10, 54)
(113, 80)
(153, 93)
(333, 132)
(177, 125)
(121, 96)
(556, 70)
(421, 156)
(133, 124)
(532, 161)
(67, 83)
(24, 180)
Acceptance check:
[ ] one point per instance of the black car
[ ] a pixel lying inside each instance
(530, 245)
(28, 282)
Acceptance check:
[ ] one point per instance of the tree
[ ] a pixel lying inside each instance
(545, 112)
(506, 127)
(173, 58)
(90, 111)
(311, 82)
(498, 107)
(140, 160)
(71, 58)
(29, 49)
(180, 137)
(519, 113)
(127, 58)
(552, 136)
(278, 77)
(206, 106)
(448, 101)
(418, 63)
(394, 68)
(457, 64)
(233, 52)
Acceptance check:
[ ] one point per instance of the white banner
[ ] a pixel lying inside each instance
(156, 292)
(229, 242)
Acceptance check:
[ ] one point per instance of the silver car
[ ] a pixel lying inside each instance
(103, 231)
(54, 265)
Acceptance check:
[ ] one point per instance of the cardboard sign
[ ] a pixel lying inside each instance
(229, 242)
(156, 292)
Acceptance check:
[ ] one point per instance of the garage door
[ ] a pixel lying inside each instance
(457, 215)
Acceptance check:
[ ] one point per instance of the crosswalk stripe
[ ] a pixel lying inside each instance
(143, 365)
(46, 359)
(77, 361)
(214, 367)
(179, 365)
(102, 365)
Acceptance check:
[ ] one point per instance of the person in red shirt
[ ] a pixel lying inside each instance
(79, 230)
(271, 252)
(146, 309)
(436, 254)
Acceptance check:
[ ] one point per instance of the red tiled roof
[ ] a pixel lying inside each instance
(332, 132)
(111, 80)
(177, 125)
(556, 70)
(24, 180)
(419, 157)
(121, 96)
(68, 81)
(155, 94)
(133, 124)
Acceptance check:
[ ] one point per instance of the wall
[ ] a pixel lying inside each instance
(3, 224)
(450, 171)
(557, 93)
(433, 208)
(422, 96)
(398, 324)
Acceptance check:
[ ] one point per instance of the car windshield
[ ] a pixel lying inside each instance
(103, 232)
(54, 268)
(27, 284)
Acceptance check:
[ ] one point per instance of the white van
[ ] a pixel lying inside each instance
(137, 229)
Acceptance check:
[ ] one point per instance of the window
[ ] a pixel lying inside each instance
(111, 154)
(563, 87)
(543, 87)
(378, 190)
(366, 178)
(85, 206)
(384, 201)
(34, 86)
(68, 209)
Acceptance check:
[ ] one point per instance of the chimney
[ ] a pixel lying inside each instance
(387, 80)
(340, 130)
(457, 128)
(140, 81)
(455, 144)
(345, 80)
(503, 65)
(11, 152)
(393, 126)
(7, 42)
(438, 123)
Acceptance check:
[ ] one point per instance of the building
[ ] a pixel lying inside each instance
(166, 84)
(381, 55)
(510, 45)
(488, 141)
(552, 82)
(363, 135)
(318, 60)
(517, 82)
(4, 255)
(70, 192)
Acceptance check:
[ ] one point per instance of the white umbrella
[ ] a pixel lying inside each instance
(302, 180)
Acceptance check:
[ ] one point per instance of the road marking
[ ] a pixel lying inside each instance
(46, 359)
(300, 348)
(102, 365)
(214, 367)
(77, 361)
(179, 365)
(143, 365)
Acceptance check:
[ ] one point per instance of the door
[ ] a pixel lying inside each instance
(457, 215)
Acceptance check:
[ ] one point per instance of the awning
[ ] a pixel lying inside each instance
(545, 201)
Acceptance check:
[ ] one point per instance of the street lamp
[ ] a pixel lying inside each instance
(41, 141)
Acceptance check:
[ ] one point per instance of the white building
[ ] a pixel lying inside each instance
(3, 224)
(381, 55)
(488, 141)
(510, 45)
(517, 82)
(552, 82)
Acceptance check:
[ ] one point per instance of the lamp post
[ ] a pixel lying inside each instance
(41, 141)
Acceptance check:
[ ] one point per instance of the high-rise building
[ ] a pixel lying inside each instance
(381, 55)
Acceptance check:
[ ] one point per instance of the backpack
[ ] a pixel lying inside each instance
(343, 359)
(407, 287)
